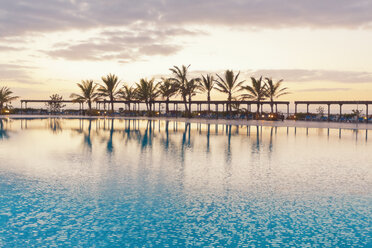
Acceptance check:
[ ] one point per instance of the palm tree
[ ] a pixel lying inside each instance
(110, 88)
(5, 97)
(147, 91)
(274, 91)
(128, 94)
(229, 84)
(256, 92)
(192, 87)
(167, 89)
(88, 93)
(207, 84)
(180, 79)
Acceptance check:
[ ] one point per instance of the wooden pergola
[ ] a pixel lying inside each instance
(25, 102)
(329, 103)
(175, 103)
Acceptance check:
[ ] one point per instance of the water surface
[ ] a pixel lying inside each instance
(156, 183)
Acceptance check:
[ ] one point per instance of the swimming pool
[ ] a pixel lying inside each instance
(157, 183)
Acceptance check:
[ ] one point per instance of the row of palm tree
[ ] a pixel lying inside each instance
(178, 84)
(181, 84)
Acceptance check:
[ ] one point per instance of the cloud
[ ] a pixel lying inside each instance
(298, 75)
(8, 48)
(21, 16)
(125, 45)
(16, 73)
(323, 90)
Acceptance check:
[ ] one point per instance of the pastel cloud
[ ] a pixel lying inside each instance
(324, 89)
(22, 16)
(20, 74)
(126, 45)
(299, 75)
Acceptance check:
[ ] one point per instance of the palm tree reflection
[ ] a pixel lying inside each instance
(271, 140)
(146, 140)
(3, 132)
(55, 125)
(258, 138)
(87, 140)
(110, 146)
(166, 142)
(228, 149)
(208, 137)
(186, 137)
(87, 137)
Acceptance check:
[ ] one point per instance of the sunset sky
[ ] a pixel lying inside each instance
(322, 48)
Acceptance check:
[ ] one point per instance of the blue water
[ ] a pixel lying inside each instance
(140, 183)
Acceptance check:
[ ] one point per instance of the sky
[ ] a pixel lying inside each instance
(322, 49)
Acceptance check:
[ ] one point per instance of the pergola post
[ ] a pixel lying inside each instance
(367, 112)
(329, 111)
(307, 108)
(340, 110)
(295, 108)
(287, 110)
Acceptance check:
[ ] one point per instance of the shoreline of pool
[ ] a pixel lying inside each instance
(285, 123)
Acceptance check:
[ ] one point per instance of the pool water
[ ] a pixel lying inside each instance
(157, 183)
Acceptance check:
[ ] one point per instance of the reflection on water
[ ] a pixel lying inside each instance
(100, 182)
(3, 132)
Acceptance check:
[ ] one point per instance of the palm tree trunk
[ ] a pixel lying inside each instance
(189, 105)
(185, 101)
(90, 105)
(229, 107)
(112, 104)
(166, 106)
(209, 104)
(272, 105)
